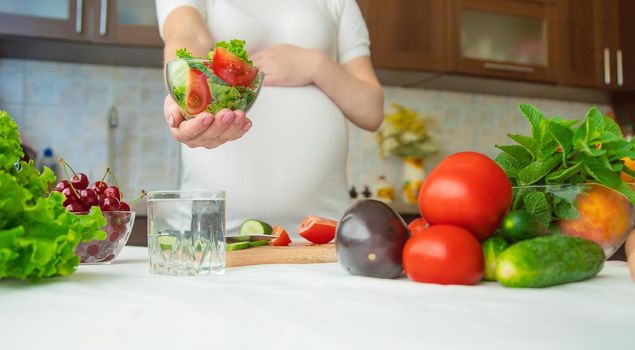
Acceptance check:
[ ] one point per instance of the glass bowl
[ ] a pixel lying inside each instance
(591, 211)
(193, 85)
(118, 228)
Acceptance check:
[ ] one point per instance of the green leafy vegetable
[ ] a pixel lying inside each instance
(235, 46)
(564, 152)
(38, 235)
(184, 53)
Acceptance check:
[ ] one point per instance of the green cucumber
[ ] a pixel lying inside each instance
(258, 243)
(492, 248)
(520, 225)
(236, 246)
(548, 261)
(255, 227)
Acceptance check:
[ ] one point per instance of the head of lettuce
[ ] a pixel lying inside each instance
(38, 235)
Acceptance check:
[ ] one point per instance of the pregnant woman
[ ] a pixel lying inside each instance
(287, 159)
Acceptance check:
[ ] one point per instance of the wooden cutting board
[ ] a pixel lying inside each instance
(300, 254)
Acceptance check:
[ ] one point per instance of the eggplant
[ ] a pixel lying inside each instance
(369, 240)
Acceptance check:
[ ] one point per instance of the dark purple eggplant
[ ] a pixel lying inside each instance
(369, 240)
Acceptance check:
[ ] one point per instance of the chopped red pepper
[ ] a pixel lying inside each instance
(283, 237)
(318, 230)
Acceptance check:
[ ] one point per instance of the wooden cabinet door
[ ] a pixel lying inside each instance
(506, 38)
(625, 52)
(126, 22)
(409, 34)
(55, 19)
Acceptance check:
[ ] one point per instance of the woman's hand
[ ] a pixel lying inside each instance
(205, 130)
(288, 65)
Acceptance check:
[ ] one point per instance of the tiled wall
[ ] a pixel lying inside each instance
(66, 106)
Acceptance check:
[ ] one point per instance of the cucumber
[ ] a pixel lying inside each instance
(520, 225)
(255, 227)
(236, 246)
(258, 243)
(492, 248)
(548, 261)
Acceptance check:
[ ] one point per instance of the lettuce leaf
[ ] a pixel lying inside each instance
(235, 46)
(38, 236)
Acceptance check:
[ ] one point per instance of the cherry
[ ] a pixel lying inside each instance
(88, 197)
(123, 206)
(92, 249)
(113, 192)
(79, 181)
(114, 236)
(76, 207)
(61, 186)
(99, 186)
(71, 197)
(109, 257)
(100, 198)
(109, 204)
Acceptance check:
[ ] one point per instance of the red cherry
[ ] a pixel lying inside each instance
(61, 186)
(123, 206)
(92, 249)
(114, 236)
(100, 198)
(79, 181)
(71, 197)
(100, 186)
(109, 204)
(88, 197)
(113, 192)
(76, 207)
(109, 257)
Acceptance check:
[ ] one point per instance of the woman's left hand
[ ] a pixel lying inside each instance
(288, 65)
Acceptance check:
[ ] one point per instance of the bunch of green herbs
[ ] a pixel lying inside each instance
(562, 152)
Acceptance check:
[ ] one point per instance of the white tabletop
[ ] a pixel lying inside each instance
(308, 307)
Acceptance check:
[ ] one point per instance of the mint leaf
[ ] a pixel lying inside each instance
(509, 164)
(528, 143)
(611, 126)
(536, 119)
(536, 204)
(537, 170)
(563, 137)
(562, 175)
(519, 153)
(564, 209)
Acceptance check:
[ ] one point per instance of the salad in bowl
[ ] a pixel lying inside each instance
(225, 78)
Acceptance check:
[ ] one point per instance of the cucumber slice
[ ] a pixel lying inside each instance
(236, 246)
(255, 227)
(166, 242)
(258, 244)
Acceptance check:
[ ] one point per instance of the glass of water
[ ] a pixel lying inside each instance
(186, 232)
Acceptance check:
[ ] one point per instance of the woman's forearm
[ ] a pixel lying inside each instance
(361, 99)
(193, 36)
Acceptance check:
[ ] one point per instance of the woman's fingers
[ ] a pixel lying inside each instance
(187, 130)
(172, 112)
(227, 126)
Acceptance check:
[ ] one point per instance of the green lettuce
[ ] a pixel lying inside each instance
(235, 46)
(38, 236)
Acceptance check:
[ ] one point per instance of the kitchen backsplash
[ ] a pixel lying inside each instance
(66, 107)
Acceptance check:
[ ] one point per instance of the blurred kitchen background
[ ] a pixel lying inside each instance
(84, 78)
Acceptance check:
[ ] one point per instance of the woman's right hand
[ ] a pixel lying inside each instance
(205, 130)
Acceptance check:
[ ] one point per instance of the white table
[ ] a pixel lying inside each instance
(308, 307)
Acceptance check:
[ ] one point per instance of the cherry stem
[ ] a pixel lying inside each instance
(105, 174)
(143, 194)
(70, 167)
(64, 165)
(114, 178)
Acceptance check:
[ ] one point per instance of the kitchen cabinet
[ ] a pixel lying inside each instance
(505, 38)
(599, 51)
(408, 34)
(116, 22)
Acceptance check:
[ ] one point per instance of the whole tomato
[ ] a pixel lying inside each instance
(469, 190)
(444, 254)
(417, 226)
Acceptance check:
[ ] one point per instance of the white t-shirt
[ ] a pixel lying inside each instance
(292, 163)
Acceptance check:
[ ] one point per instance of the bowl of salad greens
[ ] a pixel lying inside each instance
(225, 78)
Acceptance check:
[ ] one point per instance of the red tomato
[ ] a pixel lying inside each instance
(317, 229)
(469, 190)
(283, 238)
(197, 95)
(232, 69)
(444, 254)
(417, 226)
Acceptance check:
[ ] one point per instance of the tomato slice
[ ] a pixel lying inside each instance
(197, 93)
(417, 226)
(283, 237)
(317, 229)
(232, 69)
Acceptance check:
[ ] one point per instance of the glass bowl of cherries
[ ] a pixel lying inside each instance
(81, 195)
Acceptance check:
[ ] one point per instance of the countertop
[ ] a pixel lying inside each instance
(308, 307)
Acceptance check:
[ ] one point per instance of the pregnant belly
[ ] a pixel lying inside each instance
(293, 159)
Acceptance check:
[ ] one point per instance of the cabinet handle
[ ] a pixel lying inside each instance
(103, 17)
(79, 10)
(607, 66)
(508, 68)
(620, 69)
